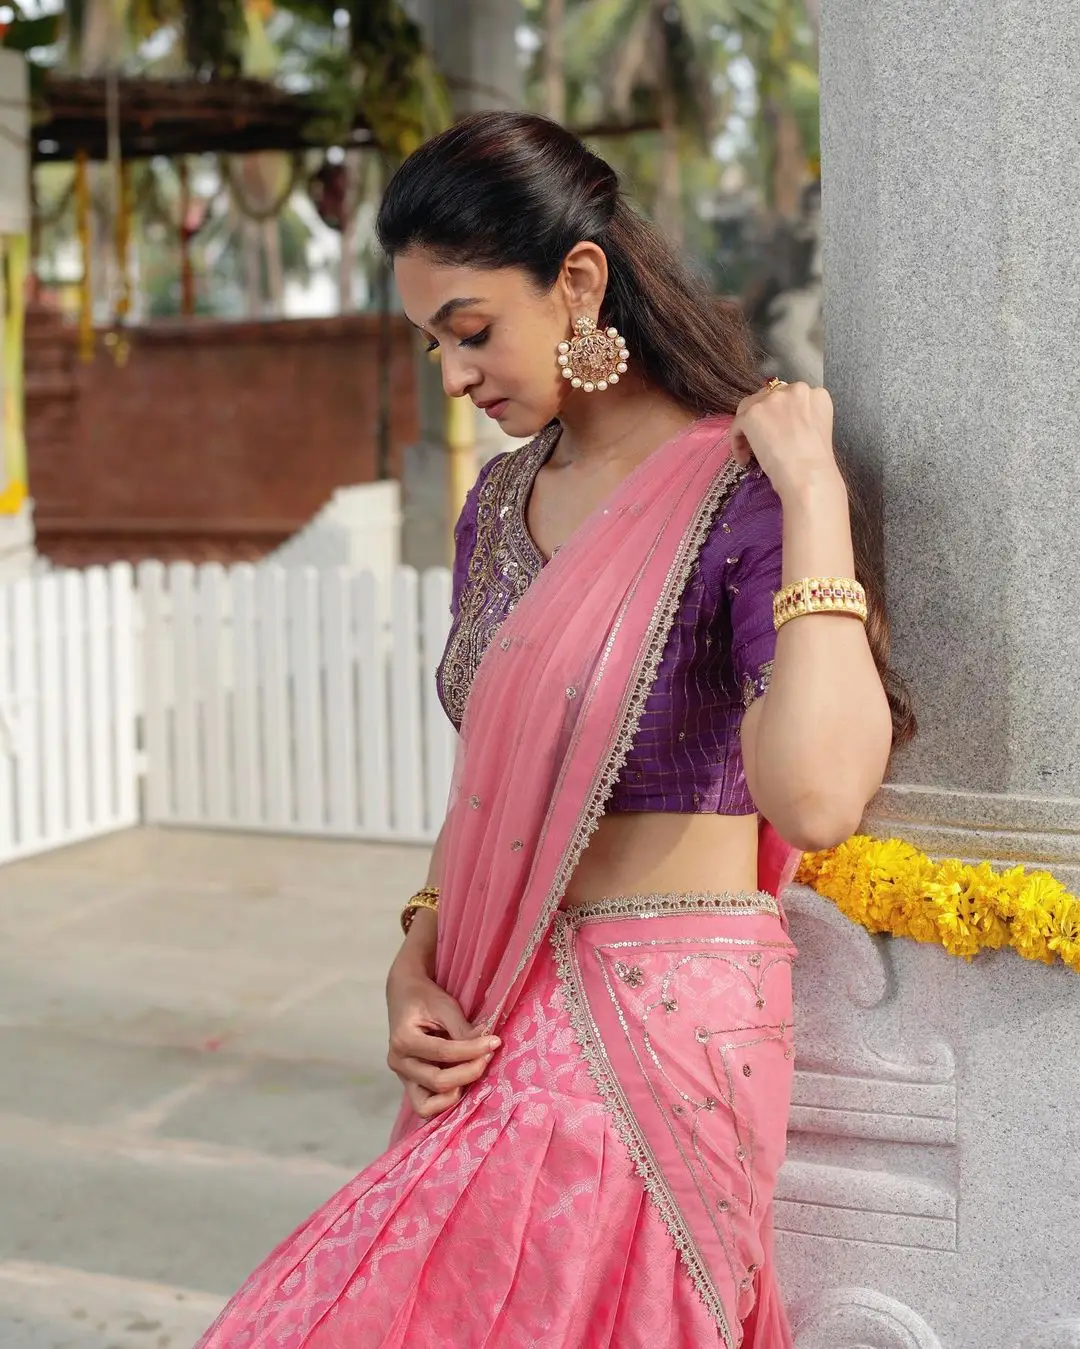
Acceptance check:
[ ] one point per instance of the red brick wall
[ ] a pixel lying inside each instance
(214, 440)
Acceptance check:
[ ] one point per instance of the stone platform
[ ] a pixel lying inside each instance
(192, 1058)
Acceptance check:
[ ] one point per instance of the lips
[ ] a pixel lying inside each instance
(494, 407)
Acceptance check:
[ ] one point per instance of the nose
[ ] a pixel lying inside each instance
(459, 375)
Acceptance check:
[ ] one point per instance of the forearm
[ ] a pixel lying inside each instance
(417, 953)
(821, 734)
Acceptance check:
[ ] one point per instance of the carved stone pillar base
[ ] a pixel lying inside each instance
(926, 1200)
(1034, 831)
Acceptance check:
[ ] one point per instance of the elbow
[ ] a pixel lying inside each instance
(821, 823)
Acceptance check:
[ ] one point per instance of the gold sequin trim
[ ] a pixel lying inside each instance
(503, 564)
(729, 903)
(756, 686)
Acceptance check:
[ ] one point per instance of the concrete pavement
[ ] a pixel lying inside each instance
(192, 1047)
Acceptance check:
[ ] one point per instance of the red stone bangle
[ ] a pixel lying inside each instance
(819, 595)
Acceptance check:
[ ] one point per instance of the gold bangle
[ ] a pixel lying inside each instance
(819, 595)
(427, 898)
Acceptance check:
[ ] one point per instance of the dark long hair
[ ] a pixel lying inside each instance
(512, 189)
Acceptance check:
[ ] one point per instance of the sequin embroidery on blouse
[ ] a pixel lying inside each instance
(501, 563)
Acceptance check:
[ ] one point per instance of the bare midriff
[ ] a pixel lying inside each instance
(654, 853)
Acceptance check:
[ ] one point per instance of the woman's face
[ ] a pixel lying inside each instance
(497, 336)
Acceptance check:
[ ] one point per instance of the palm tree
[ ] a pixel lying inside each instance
(659, 57)
(780, 38)
(665, 61)
(555, 59)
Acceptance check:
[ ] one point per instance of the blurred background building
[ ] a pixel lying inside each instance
(212, 345)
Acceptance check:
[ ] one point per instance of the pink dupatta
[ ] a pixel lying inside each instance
(554, 709)
(551, 716)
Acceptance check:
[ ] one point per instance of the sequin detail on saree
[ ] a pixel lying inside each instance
(684, 1016)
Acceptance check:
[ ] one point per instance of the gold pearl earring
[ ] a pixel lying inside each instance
(594, 358)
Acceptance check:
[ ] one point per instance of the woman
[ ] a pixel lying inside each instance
(591, 1011)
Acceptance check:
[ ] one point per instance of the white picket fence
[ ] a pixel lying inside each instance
(256, 698)
(277, 699)
(68, 753)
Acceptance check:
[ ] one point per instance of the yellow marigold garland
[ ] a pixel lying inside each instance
(889, 886)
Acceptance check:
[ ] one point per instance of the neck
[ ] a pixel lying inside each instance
(624, 423)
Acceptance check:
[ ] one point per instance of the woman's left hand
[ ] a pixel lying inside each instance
(789, 432)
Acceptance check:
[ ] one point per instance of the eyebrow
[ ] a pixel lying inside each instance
(450, 308)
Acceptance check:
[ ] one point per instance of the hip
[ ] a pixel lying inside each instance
(681, 1005)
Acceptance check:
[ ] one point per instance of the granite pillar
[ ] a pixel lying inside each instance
(928, 1201)
(951, 194)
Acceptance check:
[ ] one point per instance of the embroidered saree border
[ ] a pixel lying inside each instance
(632, 708)
(617, 1096)
(610, 765)
(728, 903)
(633, 1137)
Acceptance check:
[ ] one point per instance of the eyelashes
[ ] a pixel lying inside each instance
(477, 340)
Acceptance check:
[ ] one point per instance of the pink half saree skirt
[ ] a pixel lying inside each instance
(608, 1182)
(537, 1215)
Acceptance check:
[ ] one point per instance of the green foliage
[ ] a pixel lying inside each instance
(641, 61)
(804, 98)
(781, 45)
(212, 33)
(377, 68)
(24, 34)
(30, 36)
(622, 55)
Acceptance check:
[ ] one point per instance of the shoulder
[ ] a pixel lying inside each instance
(745, 494)
(752, 510)
(753, 496)
(749, 505)
(748, 526)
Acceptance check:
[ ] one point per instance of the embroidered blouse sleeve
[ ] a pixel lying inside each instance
(465, 536)
(752, 529)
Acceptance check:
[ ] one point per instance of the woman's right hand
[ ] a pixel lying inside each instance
(433, 1048)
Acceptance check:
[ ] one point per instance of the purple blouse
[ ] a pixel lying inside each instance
(687, 757)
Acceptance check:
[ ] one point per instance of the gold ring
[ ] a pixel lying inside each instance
(775, 383)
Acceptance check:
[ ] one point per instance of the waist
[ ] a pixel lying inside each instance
(672, 904)
(666, 853)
